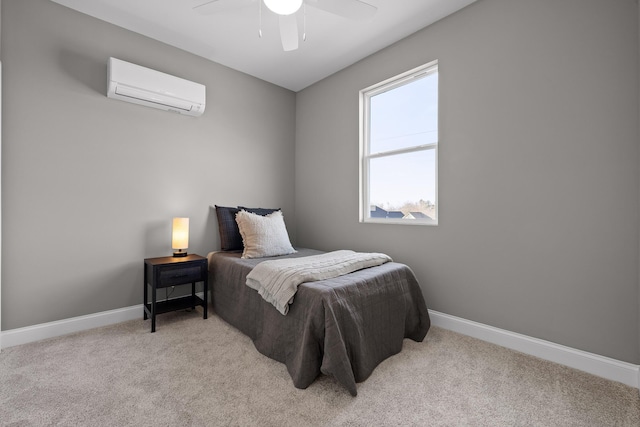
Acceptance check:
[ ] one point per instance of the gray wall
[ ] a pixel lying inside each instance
(90, 184)
(539, 173)
(538, 169)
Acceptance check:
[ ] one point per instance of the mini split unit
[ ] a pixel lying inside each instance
(140, 85)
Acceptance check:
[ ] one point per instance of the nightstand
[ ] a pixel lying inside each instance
(169, 271)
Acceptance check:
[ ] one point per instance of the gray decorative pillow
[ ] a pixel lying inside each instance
(230, 238)
(263, 236)
(259, 211)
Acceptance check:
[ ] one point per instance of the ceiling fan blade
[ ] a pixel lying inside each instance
(289, 32)
(352, 9)
(215, 6)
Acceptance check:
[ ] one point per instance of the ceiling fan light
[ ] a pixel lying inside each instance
(283, 7)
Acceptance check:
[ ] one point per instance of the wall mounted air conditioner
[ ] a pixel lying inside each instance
(140, 85)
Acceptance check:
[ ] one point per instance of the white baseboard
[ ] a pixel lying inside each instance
(42, 331)
(601, 366)
(612, 369)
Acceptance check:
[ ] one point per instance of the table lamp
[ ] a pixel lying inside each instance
(180, 237)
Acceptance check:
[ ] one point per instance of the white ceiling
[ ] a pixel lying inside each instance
(231, 38)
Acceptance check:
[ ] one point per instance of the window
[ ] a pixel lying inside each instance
(399, 149)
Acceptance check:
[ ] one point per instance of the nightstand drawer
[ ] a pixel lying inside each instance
(179, 275)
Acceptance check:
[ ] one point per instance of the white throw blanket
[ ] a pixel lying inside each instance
(277, 280)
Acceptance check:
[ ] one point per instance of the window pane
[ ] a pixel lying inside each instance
(399, 140)
(405, 183)
(405, 116)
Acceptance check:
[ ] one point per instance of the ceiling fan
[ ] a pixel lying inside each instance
(286, 11)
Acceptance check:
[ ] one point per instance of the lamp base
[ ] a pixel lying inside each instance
(179, 253)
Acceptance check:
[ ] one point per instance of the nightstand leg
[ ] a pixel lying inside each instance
(193, 295)
(153, 308)
(146, 294)
(204, 297)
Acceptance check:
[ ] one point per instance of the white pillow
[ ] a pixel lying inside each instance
(263, 236)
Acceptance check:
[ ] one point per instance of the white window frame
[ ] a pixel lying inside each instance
(365, 155)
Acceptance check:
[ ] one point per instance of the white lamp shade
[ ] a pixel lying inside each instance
(180, 233)
(283, 7)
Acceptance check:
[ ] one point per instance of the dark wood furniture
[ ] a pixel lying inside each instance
(169, 271)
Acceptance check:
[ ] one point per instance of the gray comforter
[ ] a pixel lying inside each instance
(343, 327)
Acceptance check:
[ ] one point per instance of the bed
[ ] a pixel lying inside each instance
(342, 327)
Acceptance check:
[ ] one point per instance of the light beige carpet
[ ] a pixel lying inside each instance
(205, 373)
